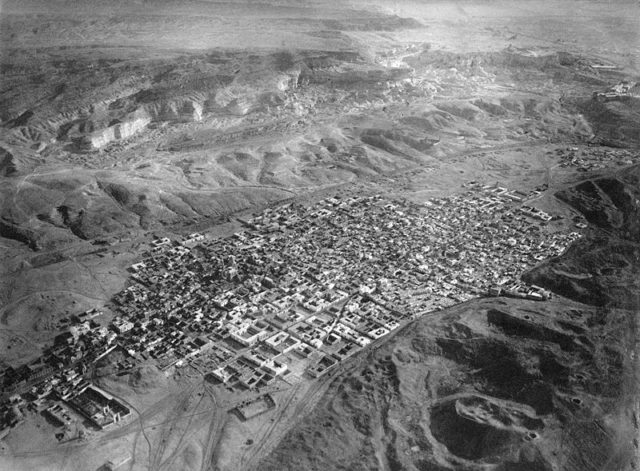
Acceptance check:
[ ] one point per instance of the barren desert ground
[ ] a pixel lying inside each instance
(466, 173)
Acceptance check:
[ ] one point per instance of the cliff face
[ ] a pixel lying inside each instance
(130, 126)
(179, 110)
(176, 110)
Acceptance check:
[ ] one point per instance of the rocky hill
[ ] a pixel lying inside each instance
(601, 270)
(500, 385)
(113, 145)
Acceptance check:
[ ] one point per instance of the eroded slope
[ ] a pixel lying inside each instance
(601, 270)
(501, 385)
(105, 142)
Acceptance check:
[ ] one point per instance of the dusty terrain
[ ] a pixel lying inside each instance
(124, 120)
(489, 385)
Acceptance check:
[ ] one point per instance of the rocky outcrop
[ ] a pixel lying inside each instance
(128, 127)
(176, 110)
(7, 163)
(8, 230)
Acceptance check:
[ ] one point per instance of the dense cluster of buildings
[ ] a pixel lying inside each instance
(56, 384)
(595, 158)
(297, 292)
(624, 90)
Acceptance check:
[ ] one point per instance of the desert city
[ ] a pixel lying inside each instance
(301, 235)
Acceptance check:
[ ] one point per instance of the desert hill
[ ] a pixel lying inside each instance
(602, 270)
(83, 156)
(490, 385)
(126, 121)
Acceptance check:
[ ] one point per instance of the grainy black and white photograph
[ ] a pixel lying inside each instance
(304, 235)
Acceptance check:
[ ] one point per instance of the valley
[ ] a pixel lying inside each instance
(128, 123)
